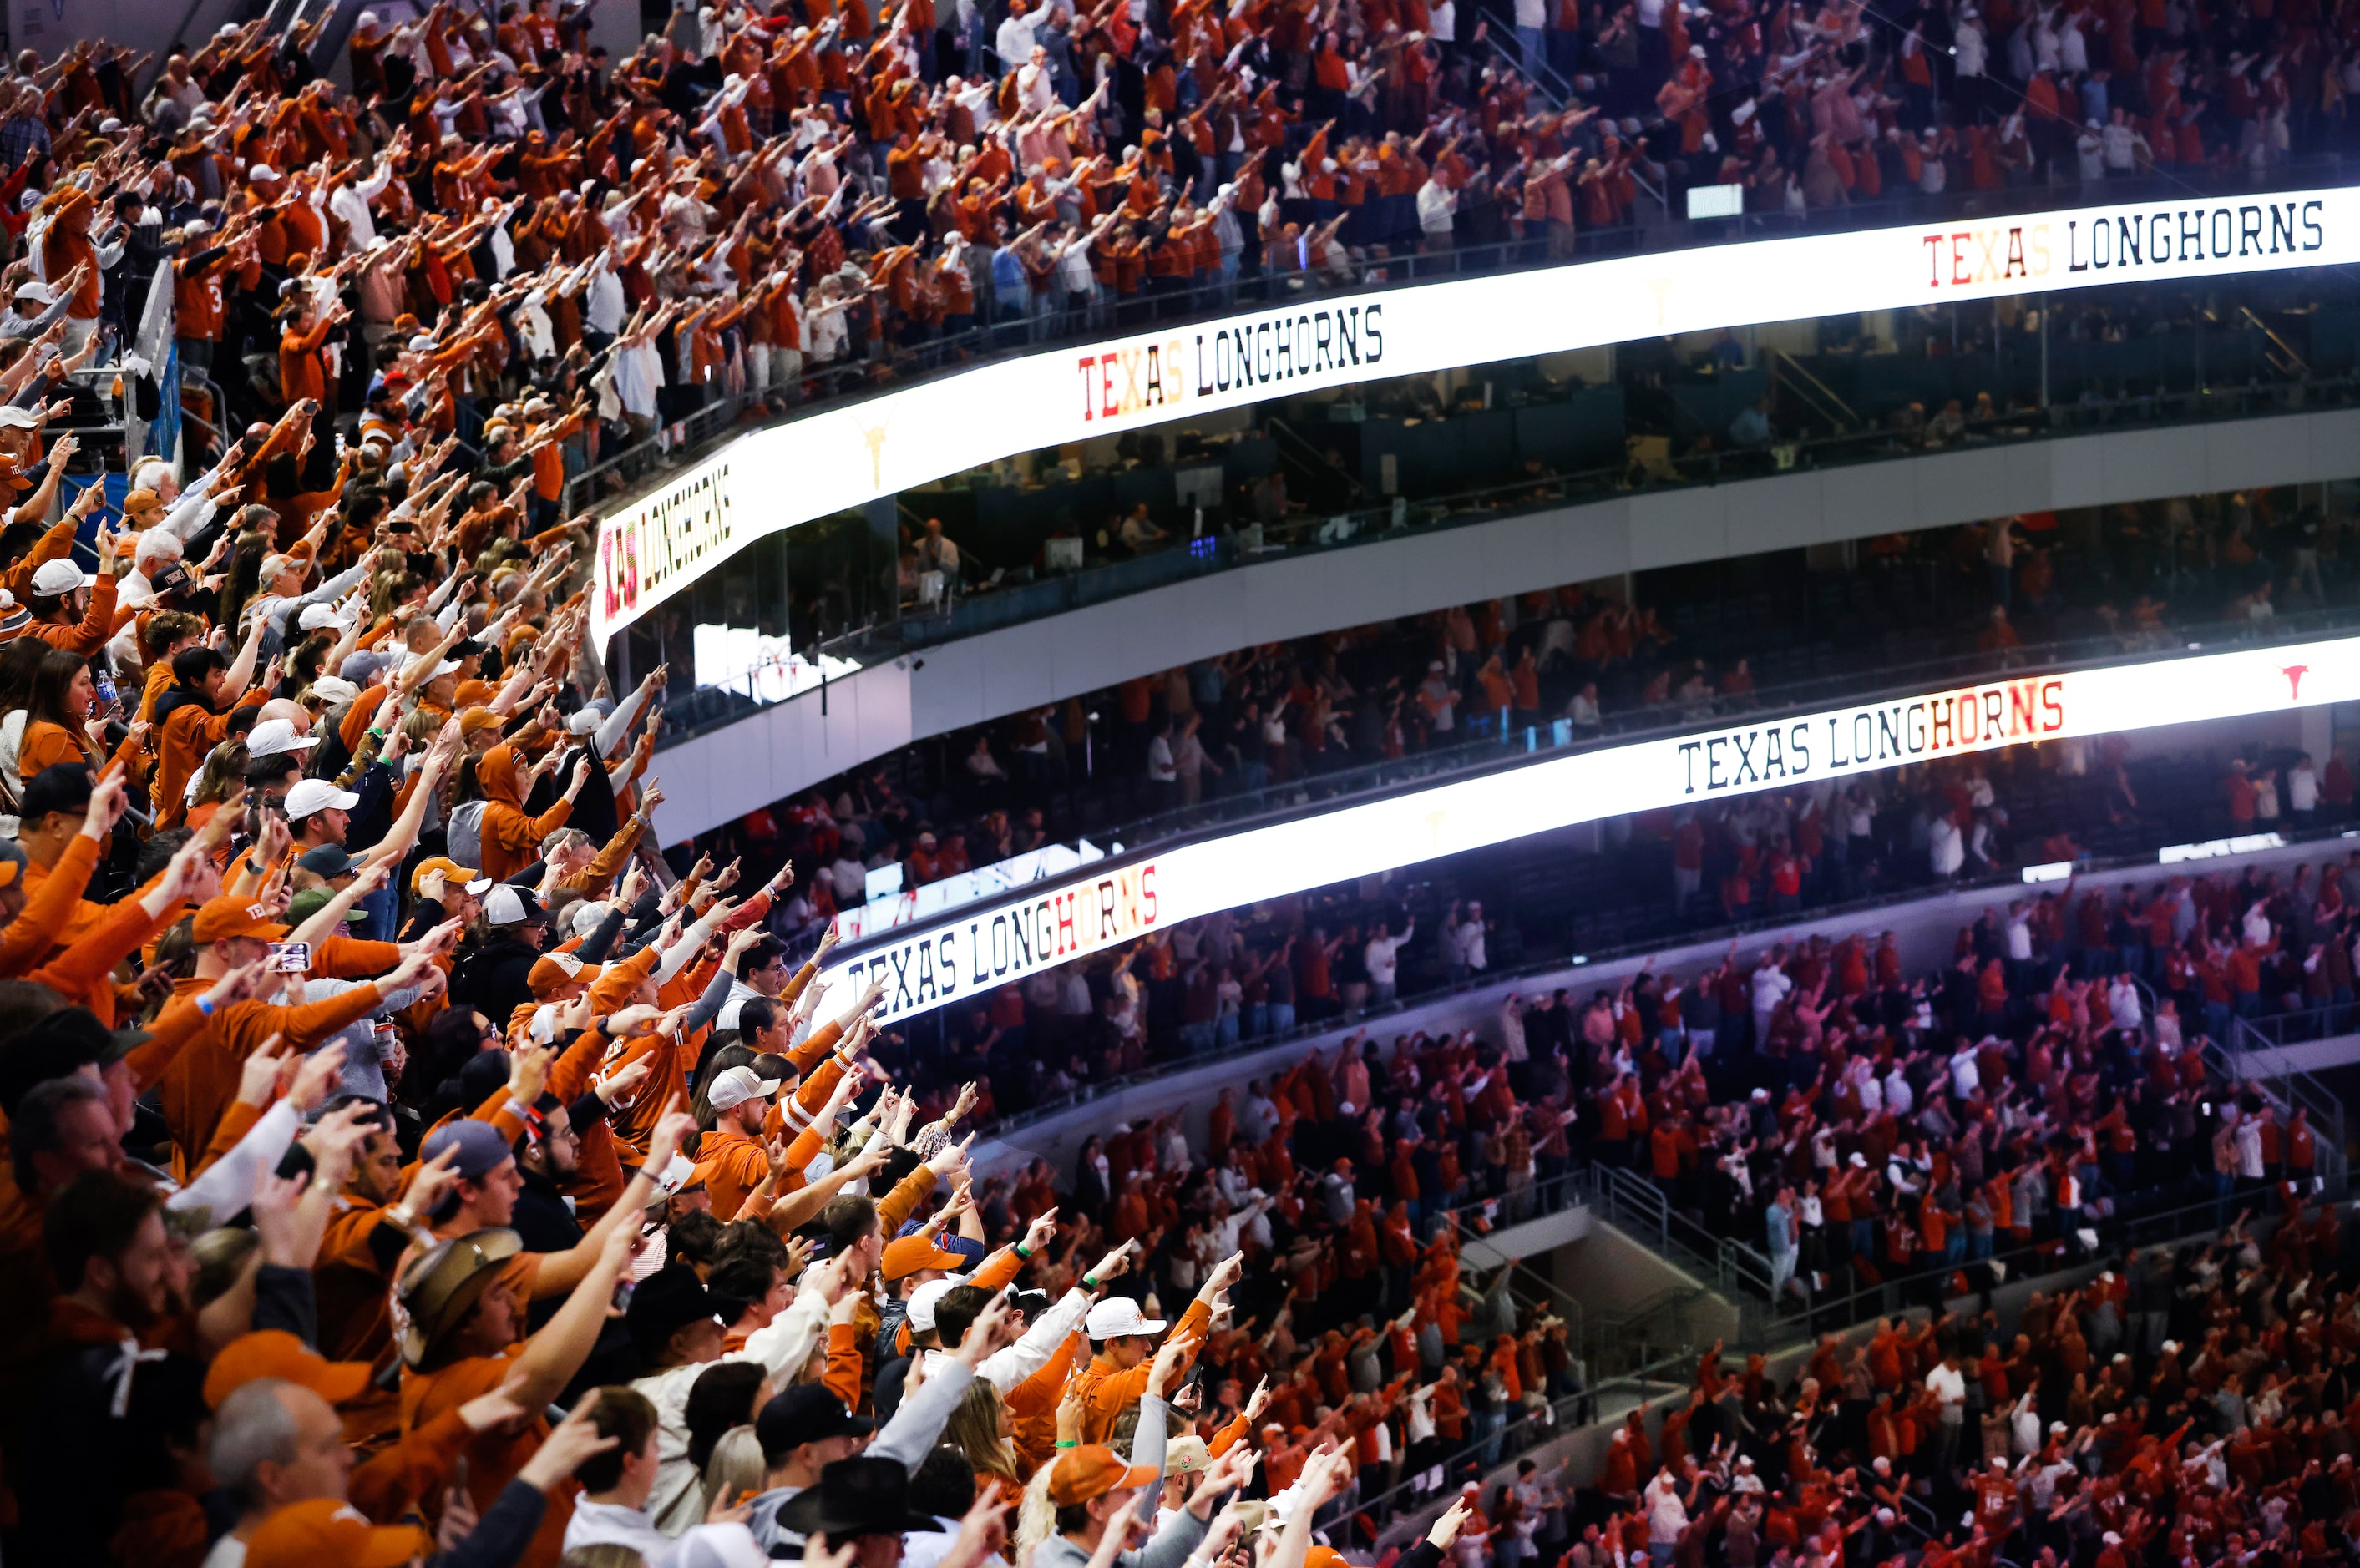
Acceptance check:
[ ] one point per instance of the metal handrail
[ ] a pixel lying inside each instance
(2292, 1087)
(2133, 1232)
(1817, 394)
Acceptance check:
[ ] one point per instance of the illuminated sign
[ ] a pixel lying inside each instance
(1000, 941)
(1006, 942)
(894, 905)
(838, 459)
(652, 550)
(2212, 848)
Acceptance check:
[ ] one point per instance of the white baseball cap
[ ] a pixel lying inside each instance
(312, 795)
(1116, 1316)
(923, 1300)
(316, 617)
(272, 736)
(733, 1088)
(507, 907)
(333, 688)
(57, 577)
(675, 1177)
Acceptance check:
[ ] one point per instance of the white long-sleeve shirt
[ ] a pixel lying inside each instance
(351, 202)
(1006, 1368)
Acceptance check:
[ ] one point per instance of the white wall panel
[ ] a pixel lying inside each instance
(1960, 486)
(1674, 526)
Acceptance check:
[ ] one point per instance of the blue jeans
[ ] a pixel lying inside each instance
(1257, 1020)
(1282, 1017)
(1227, 1030)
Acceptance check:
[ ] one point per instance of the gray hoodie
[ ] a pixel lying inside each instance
(1171, 1545)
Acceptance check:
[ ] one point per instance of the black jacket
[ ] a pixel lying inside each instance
(492, 979)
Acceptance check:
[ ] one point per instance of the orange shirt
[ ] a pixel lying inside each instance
(495, 1457)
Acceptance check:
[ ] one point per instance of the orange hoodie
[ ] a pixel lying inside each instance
(512, 839)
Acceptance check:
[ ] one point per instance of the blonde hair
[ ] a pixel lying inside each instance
(224, 775)
(974, 1430)
(1036, 1517)
(736, 1465)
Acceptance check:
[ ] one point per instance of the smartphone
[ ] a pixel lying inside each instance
(290, 958)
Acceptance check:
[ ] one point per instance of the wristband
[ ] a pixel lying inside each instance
(1091, 1280)
(205, 1006)
(1024, 1251)
(1067, 1443)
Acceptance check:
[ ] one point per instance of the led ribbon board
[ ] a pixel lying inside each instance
(992, 943)
(840, 458)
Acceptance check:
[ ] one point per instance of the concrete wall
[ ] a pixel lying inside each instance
(1550, 1233)
(718, 776)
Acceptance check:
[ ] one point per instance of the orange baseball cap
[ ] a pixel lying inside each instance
(227, 917)
(1092, 1471)
(552, 970)
(474, 719)
(1324, 1557)
(906, 1254)
(275, 1353)
(321, 1532)
(453, 872)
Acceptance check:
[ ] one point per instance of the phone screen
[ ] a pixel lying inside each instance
(290, 958)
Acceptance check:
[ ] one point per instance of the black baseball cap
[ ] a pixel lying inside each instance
(327, 860)
(59, 1046)
(62, 788)
(804, 1413)
(663, 1304)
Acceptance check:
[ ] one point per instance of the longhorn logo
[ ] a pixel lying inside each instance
(2294, 674)
(875, 437)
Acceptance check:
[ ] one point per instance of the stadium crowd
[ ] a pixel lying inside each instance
(2183, 1406)
(757, 203)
